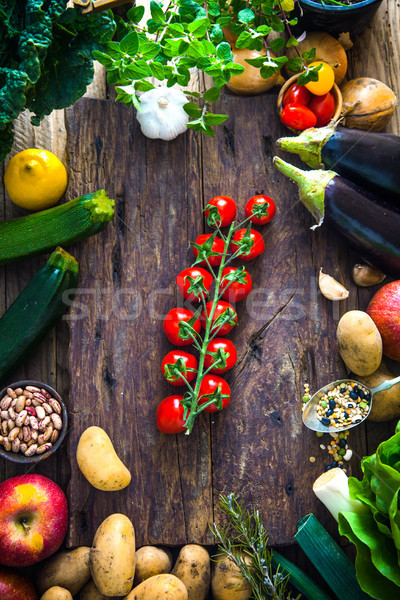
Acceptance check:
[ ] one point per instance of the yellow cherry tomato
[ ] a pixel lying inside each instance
(326, 79)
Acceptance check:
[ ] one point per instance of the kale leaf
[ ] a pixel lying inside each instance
(46, 59)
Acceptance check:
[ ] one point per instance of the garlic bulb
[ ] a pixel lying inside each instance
(330, 288)
(161, 115)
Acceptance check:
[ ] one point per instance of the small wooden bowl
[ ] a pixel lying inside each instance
(28, 460)
(335, 91)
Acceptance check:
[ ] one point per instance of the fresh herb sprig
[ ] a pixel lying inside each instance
(244, 537)
(187, 34)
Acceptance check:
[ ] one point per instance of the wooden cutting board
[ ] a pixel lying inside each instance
(257, 447)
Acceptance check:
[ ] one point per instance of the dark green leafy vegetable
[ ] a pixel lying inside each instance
(45, 58)
(376, 534)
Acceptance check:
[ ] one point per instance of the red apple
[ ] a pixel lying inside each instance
(33, 519)
(384, 310)
(15, 586)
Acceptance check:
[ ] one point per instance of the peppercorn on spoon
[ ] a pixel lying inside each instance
(313, 420)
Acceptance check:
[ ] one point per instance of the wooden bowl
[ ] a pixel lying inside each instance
(335, 91)
(27, 460)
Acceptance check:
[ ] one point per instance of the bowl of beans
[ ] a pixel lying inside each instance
(33, 421)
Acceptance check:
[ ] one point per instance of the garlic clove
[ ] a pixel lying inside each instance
(365, 275)
(330, 288)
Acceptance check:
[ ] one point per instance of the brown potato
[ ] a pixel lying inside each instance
(151, 561)
(159, 587)
(193, 568)
(57, 593)
(112, 556)
(68, 569)
(359, 342)
(386, 404)
(90, 592)
(227, 582)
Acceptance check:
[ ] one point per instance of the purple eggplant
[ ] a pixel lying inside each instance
(368, 224)
(371, 160)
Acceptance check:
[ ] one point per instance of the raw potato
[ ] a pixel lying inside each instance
(159, 587)
(57, 593)
(90, 592)
(151, 561)
(112, 556)
(386, 404)
(227, 582)
(69, 570)
(99, 462)
(193, 568)
(359, 342)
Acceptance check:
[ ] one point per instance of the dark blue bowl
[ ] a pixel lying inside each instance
(335, 19)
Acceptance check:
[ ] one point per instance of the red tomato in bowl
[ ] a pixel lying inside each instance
(190, 362)
(169, 415)
(257, 248)
(323, 108)
(298, 117)
(218, 246)
(183, 282)
(171, 325)
(296, 94)
(226, 209)
(219, 310)
(209, 384)
(260, 200)
(220, 344)
(236, 290)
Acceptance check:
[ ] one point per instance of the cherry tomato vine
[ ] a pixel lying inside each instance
(214, 286)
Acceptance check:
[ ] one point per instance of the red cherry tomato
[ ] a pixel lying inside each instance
(219, 309)
(169, 415)
(209, 384)
(183, 282)
(323, 108)
(226, 209)
(298, 117)
(220, 344)
(257, 248)
(171, 325)
(218, 246)
(190, 362)
(236, 290)
(296, 94)
(260, 201)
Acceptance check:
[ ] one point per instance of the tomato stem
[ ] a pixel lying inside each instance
(195, 409)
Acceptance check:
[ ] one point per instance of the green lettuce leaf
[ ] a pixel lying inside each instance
(371, 579)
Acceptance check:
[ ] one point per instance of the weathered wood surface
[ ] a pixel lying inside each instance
(257, 444)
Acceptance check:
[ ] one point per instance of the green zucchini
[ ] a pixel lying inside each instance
(62, 225)
(40, 304)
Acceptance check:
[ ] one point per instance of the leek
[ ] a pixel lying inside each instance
(298, 579)
(334, 566)
(332, 488)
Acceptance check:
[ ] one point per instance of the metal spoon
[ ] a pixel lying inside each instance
(310, 418)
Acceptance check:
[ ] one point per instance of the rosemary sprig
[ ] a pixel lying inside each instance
(243, 537)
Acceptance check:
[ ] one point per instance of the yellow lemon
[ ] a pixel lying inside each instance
(35, 179)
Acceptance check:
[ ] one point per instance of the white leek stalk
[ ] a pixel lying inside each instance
(332, 488)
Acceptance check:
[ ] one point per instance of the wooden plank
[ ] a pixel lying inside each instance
(257, 446)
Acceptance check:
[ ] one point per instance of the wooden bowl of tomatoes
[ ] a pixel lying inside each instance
(301, 109)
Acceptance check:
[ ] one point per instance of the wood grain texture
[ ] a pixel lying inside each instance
(256, 447)
(285, 334)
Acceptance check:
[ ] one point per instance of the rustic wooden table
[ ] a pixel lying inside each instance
(104, 357)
